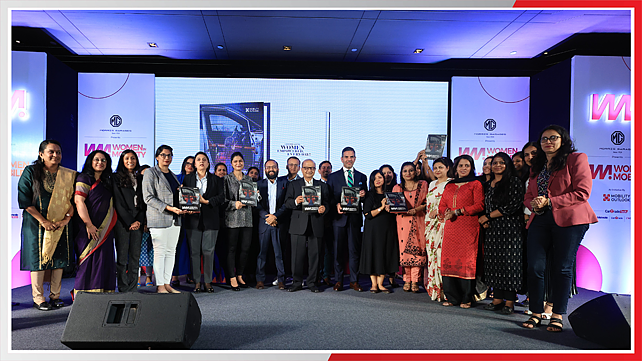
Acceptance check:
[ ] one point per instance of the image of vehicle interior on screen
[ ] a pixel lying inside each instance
(229, 128)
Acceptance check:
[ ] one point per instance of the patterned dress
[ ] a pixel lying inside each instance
(503, 239)
(434, 237)
(412, 238)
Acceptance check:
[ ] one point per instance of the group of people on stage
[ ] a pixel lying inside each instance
(461, 234)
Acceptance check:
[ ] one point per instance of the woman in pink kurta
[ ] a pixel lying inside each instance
(410, 226)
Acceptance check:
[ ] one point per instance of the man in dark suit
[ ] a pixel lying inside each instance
(327, 257)
(293, 166)
(271, 208)
(347, 226)
(306, 227)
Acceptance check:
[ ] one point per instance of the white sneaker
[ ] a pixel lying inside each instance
(276, 282)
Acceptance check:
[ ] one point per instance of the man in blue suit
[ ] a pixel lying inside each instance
(347, 226)
(271, 208)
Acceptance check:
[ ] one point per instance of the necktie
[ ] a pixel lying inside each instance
(350, 180)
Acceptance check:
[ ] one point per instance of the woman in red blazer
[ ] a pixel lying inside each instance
(558, 192)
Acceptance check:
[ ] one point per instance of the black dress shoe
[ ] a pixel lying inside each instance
(57, 303)
(314, 288)
(42, 306)
(493, 307)
(243, 285)
(295, 288)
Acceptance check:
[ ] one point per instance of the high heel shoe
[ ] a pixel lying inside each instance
(197, 288)
(235, 288)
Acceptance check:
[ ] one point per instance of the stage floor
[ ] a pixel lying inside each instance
(272, 319)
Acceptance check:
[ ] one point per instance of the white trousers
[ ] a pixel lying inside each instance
(164, 241)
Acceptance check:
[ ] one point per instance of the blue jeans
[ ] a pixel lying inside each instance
(544, 235)
(270, 235)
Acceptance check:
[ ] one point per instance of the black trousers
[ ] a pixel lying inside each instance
(239, 241)
(299, 255)
(127, 256)
(546, 239)
(458, 290)
(504, 294)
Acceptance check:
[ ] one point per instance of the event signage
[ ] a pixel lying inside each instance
(311, 198)
(189, 199)
(601, 128)
(116, 113)
(488, 115)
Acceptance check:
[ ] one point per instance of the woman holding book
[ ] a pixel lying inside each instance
(442, 168)
(238, 220)
(202, 227)
(379, 250)
(411, 226)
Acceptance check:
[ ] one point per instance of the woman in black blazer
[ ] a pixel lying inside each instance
(128, 201)
(202, 228)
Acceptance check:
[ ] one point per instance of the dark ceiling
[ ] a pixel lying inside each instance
(325, 44)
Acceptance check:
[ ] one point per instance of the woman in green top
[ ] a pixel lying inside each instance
(44, 193)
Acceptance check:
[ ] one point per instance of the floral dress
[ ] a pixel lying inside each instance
(434, 236)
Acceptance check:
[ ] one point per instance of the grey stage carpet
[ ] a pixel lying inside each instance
(272, 319)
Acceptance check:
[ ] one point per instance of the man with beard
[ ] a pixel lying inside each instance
(271, 210)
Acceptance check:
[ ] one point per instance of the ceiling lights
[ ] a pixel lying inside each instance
(152, 45)
(219, 46)
(513, 52)
(287, 47)
(418, 51)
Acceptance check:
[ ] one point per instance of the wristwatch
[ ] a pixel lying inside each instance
(458, 212)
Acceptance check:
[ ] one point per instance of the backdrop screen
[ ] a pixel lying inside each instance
(384, 121)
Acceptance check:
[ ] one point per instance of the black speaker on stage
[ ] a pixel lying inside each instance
(605, 320)
(132, 320)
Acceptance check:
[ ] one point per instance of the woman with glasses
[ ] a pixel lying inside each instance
(45, 190)
(461, 202)
(95, 240)
(160, 192)
(503, 224)
(238, 220)
(558, 193)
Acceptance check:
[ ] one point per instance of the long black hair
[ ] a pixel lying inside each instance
(183, 171)
(470, 160)
(388, 187)
(502, 187)
(121, 177)
(559, 160)
(105, 177)
(39, 167)
(371, 180)
(403, 181)
(526, 169)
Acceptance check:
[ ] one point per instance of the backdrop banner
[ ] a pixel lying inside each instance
(115, 113)
(28, 115)
(488, 115)
(601, 128)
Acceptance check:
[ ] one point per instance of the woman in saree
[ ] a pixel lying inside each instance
(95, 239)
(44, 193)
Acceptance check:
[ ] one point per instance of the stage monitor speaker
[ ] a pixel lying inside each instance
(605, 320)
(132, 320)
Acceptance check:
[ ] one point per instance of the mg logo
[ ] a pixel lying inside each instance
(608, 101)
(617, 137)
(115, 120)
(490, 124)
